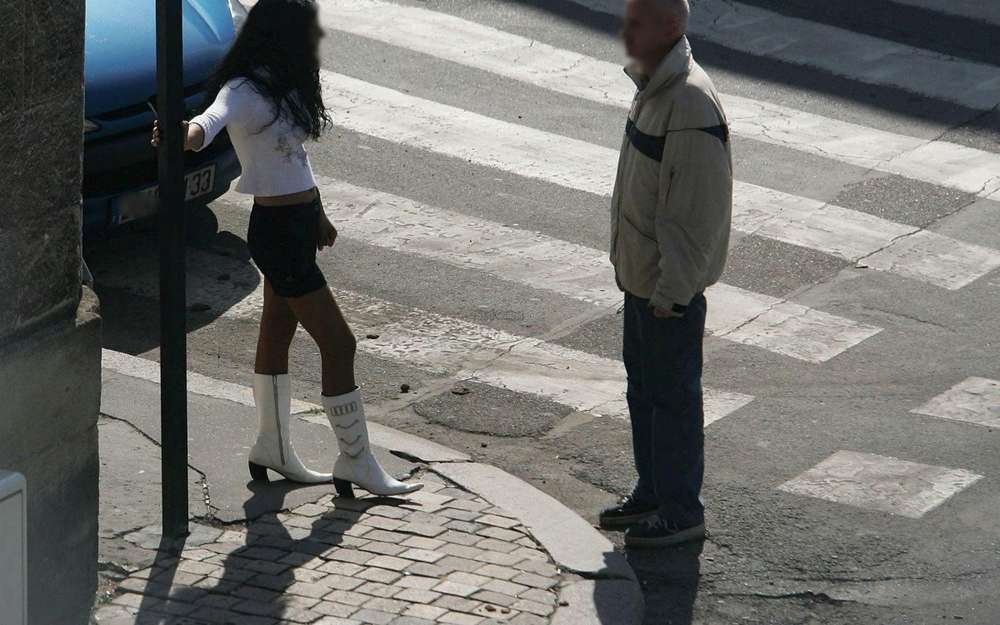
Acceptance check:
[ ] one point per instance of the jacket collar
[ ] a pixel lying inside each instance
(676, 63)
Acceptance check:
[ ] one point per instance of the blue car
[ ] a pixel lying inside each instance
(119, 164)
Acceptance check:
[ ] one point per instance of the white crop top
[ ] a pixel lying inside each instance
(273, 159)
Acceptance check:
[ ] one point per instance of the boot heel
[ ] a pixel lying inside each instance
(258, 473)
(344, 488)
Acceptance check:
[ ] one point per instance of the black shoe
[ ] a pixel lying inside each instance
(627, 513)
(658, 532)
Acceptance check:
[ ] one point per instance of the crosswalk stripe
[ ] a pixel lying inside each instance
(937, 162)
(394, 116)
(563, 71)
(576, 271)
(855, 236)
(848, 234)
(872, 60)
(144, 369)
(881, 483)
(861, 57)
(573, 270)
(539, 261)
(975, 400)
(978, 10)
(435, 343)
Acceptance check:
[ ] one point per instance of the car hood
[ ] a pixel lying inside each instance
(120, 49)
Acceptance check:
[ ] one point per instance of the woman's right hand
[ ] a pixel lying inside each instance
(155, 139)
(327, 232)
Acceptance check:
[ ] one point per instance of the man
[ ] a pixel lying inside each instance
(670, 220)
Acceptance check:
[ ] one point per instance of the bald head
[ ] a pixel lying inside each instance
(674, 11)
(652, 27)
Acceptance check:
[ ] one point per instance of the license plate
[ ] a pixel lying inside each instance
(144, 203)
(199, 183)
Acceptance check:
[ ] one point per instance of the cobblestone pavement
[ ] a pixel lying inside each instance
(441, 556)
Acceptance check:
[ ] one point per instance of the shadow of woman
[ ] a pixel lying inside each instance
(251, 579)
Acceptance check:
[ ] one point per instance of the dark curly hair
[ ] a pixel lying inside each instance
(274, 50)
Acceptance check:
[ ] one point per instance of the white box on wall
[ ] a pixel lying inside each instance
(13, 550)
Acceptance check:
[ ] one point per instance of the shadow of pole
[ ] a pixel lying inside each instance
(161, 579)
(253, 578)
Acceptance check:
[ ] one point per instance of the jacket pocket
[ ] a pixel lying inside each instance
(637, 229)
(638, 259)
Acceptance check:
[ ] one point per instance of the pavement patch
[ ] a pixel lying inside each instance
(776, 268)
(903, 200)
(600, 452)
(496, 411)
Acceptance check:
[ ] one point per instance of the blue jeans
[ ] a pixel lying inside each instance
(663, 360)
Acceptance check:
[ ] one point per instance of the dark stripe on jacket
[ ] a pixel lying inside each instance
(652, 145)
(649, 145)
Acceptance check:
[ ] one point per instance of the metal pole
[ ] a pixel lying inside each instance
(173, 327)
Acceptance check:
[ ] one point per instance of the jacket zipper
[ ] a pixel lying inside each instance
(634, 111)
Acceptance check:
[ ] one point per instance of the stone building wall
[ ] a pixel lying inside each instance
(49, 325)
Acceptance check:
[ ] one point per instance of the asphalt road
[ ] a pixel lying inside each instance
(851, 371)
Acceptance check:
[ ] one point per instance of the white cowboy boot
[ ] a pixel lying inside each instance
(356, 464)
(273, 449)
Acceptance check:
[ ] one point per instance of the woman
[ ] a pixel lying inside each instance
(267, 94)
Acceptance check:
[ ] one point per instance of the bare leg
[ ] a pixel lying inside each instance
(319, 314)
(277, 329)
(321, 317)
(273, 397)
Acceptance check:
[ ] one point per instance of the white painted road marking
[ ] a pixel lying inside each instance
(937, 162)
(852, 235)
(436, 343)
(523, 59)
(149, 370)
(881, 483)
(975, 400)
(841, 52)
(576, 271)
(397, 117)
(539, 261)
(936, 259)
(979, 10)
(794, 330)
(400, 118)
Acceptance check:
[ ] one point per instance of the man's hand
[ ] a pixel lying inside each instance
(666, 313)
(327, 233)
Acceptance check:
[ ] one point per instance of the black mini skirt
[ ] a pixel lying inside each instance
(282, 242)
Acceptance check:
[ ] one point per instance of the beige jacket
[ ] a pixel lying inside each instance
(672, 204)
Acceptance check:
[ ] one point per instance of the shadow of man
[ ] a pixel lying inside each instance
(669, 579)
(253, 578)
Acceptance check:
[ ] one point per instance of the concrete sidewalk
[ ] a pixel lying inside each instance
(477, 546)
